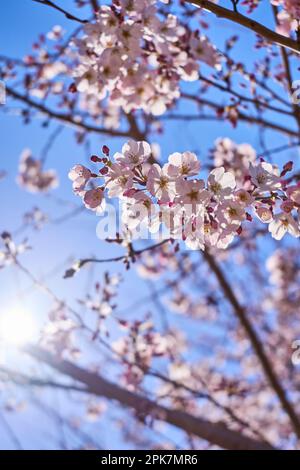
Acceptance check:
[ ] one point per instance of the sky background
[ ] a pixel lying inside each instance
(21, 22)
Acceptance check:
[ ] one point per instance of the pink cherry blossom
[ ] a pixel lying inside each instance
(118, 180)
(133, 154)
(167, 198)
(265, 176)
(80, 175)
(184, 164)
(160, 184)
(221, 183)
(264, 214)
(283, 223)
(93, 199)
(32, 176)
(293, 193)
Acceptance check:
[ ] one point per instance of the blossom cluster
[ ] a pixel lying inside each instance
(10, 250)
(234, 157)
(284, 275)
(288, 16)
(139, 347)
(58, 334)
(32, 176)
(136, 58)
(202, 213)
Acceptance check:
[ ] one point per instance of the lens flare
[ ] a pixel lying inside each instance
(17, 327)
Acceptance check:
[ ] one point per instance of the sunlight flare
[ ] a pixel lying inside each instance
(17, 327)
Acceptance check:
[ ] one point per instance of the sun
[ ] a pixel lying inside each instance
(17, 327)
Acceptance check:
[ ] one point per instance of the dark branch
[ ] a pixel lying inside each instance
(215, 433)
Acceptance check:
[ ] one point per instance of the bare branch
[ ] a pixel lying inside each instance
(215, 433)
(22, 379)
(242, 116)
(255, 341)
(129, 256)
(248, 23)
(287, 68)
(68, 15)
(94, 5)
(256, 102)
(66, 118)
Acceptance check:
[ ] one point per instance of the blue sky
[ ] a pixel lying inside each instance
(21, 22)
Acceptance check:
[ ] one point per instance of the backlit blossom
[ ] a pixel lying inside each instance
(32, 176)
(184, 164)
(93, 199)
(264, 176)
(294, 193)
(133, 154)
(115, 59)
(168, 200)
(264, 214)
(80, 175)
(282, 224)
(220, 182)
(160, 185)
(118, 180)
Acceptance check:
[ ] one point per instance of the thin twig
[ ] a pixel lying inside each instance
(68, 15)
(248, 23)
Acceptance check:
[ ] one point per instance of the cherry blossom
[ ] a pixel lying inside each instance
(136, 59)
(93, 199)
(133, 154)
(201, 213)
(233, 157)
(283, 223)
(32, 176)
(265, 176)
(160, 184)
(80, 175)
(10, 250)
(210, 329)
(184, 164)
(288, 16)
(221, 183)
(293, 193)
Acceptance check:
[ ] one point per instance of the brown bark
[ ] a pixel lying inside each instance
(215, 433)
(241, 313)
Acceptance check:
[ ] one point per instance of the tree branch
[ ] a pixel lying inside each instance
(243, 117)
(66, 118)
(132, 253)
(248, 23)
(215, 433)
(287, 68)
(22, 379)
(68, 15)
(254, 101)
(94, 5)
(254, 339)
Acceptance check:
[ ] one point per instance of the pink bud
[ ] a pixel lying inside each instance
(72, 88)
(105, 150)
(104, 170)
(95, 159)
(288, 166)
